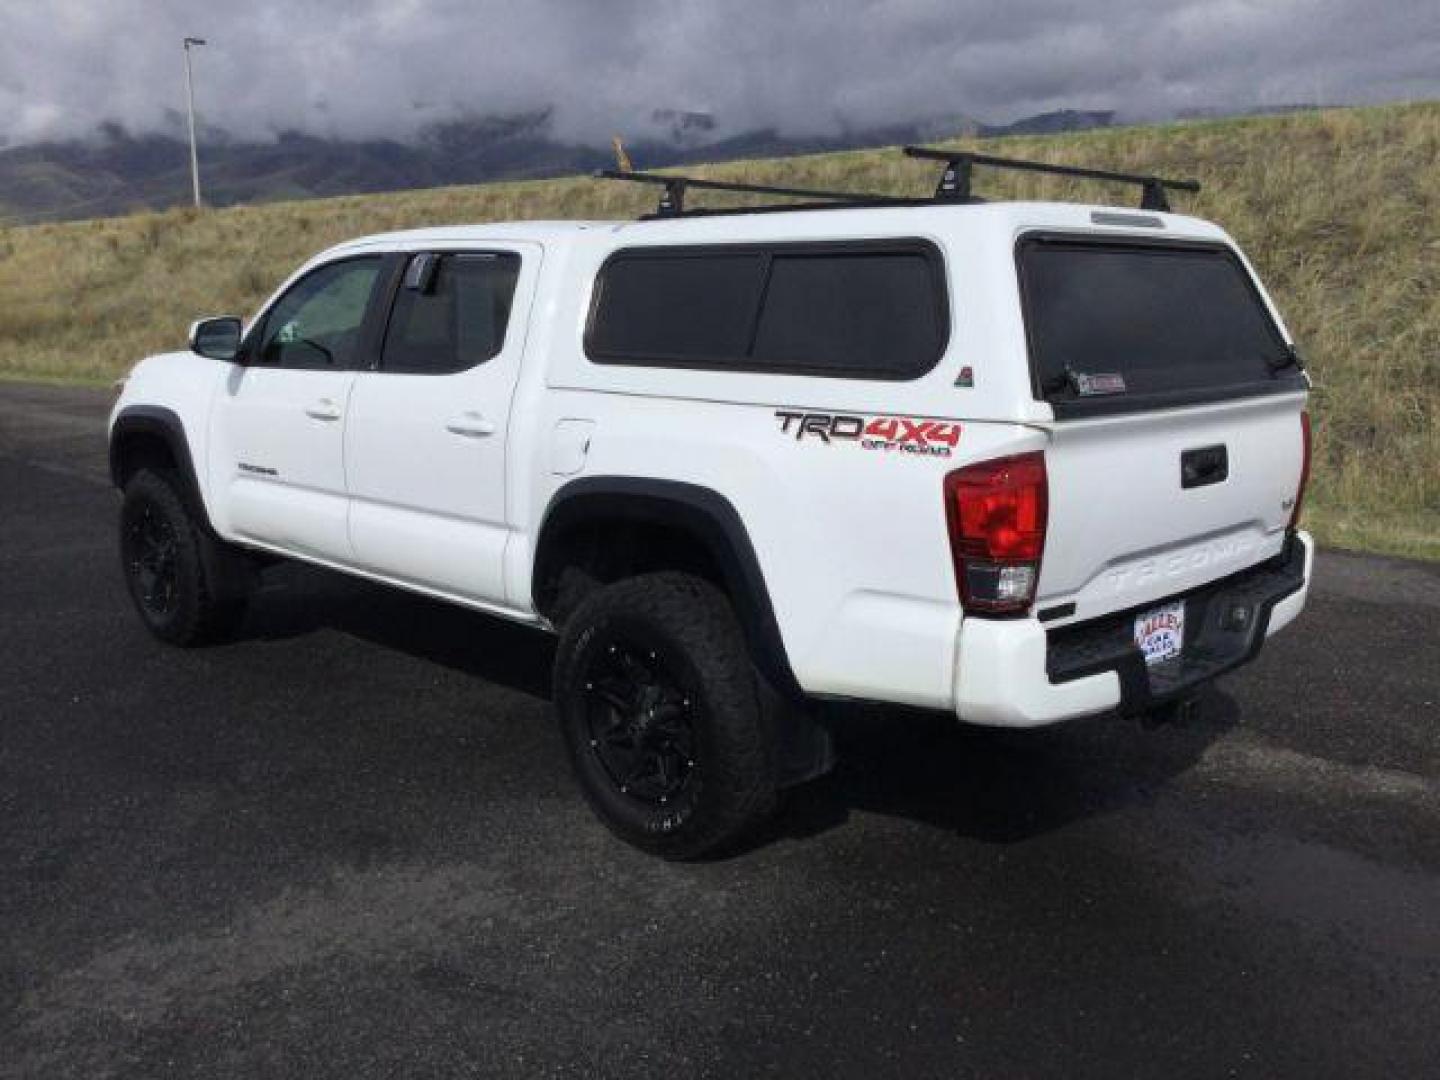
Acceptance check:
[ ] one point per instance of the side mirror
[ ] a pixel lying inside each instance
(218, 339)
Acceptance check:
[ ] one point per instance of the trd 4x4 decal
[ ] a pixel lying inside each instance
(901, 434)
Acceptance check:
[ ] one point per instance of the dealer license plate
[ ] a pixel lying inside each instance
(1160, 632)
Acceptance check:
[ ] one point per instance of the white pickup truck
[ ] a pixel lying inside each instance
(1017, 461)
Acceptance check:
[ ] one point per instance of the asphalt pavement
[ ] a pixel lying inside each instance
(347, 845)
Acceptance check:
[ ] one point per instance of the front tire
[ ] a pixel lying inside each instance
(188, 586)
(660, 709)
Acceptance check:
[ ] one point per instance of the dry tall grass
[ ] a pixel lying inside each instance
(1340, 211)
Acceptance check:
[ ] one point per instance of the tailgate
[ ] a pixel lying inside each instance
(1124, 529)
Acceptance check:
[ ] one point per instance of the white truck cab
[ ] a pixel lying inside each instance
(1022, 462)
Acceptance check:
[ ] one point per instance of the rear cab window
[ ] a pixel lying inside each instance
(863, 309)
(1125, 325)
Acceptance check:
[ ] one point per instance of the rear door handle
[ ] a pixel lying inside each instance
(324, 409)
(470, 424)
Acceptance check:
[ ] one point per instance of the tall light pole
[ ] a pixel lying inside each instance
(190, 104)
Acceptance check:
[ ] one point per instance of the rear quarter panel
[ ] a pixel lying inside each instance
(850, 537)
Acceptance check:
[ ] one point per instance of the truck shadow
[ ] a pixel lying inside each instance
(993, 785)
(296, 600)
(996, 785)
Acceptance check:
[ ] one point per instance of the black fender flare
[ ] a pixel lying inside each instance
(159, 422)
(700, 511)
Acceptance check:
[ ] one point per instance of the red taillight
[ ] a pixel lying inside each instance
(1304, 468)
(996, 514)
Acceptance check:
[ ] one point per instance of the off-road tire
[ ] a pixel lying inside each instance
(682, 627)
(211, 580)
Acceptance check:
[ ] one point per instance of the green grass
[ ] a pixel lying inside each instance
(1339, 210)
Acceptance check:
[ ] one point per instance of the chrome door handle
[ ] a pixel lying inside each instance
(471, 424)
(324, 409)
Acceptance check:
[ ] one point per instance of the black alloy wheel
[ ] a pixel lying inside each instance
(639, 716)
(151, 556)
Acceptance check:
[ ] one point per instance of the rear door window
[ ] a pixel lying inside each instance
(450, 313)
(870, 310)
(1116, 326)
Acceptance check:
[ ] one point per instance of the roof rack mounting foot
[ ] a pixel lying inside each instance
(955, 181)
(1153, 197)
(672, 203)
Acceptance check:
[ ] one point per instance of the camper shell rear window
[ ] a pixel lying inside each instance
(1125, 325)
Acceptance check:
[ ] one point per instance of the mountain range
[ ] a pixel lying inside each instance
(116, 171)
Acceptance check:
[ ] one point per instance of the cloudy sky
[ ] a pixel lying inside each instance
(388, 67)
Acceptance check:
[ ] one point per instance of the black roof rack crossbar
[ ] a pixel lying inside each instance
(955, 181)
(672, 201)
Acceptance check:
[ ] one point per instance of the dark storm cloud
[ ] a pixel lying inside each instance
(387, 67)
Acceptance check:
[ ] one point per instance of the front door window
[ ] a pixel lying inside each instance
(317, 323)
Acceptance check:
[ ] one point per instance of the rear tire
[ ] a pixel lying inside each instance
(661, 712)
(189, 586)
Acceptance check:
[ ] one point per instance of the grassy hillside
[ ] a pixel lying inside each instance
(1340, 211)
